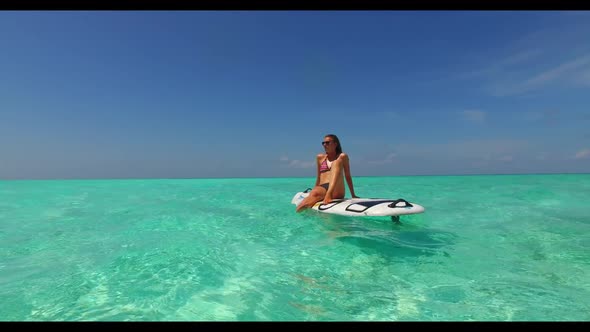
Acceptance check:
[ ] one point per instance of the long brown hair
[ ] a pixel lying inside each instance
(335, 139)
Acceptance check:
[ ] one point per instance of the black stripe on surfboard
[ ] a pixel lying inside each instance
(330, 205)
(367, 205)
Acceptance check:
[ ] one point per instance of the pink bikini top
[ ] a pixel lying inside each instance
(325, 166)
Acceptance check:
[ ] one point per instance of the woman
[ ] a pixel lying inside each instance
(329, 182)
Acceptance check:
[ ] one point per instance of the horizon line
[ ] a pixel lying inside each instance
(287, 177)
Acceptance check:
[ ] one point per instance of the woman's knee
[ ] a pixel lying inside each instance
(318, 193)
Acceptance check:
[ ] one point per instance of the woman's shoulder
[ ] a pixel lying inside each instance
(343, 156)
(321, 156)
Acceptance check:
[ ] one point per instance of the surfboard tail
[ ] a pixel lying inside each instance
(300, 196)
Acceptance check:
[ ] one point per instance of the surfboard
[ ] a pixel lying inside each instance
(372, 207)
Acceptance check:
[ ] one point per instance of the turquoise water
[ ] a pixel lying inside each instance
(501, 248)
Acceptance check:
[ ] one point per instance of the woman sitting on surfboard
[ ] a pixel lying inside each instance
(329, 182)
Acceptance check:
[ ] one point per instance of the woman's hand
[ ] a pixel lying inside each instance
(327, 199)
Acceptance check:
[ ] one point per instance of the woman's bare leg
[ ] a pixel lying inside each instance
(315, 195)
(333, 191)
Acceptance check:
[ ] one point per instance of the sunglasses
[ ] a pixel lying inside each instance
(326, 143)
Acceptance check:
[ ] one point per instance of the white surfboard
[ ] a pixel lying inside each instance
(375, 207)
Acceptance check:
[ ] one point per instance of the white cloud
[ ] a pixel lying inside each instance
(390, 158)
(295, 163)
(573, 70)
(558, 71)
(477, 149)
(301, 164)
(476, 116)
(583, 154)
(520, 57)
(529, 68)
(502, 65)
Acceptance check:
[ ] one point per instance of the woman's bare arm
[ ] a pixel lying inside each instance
(348, 176)
(317, 161)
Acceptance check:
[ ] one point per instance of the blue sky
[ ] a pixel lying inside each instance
(251, 94)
